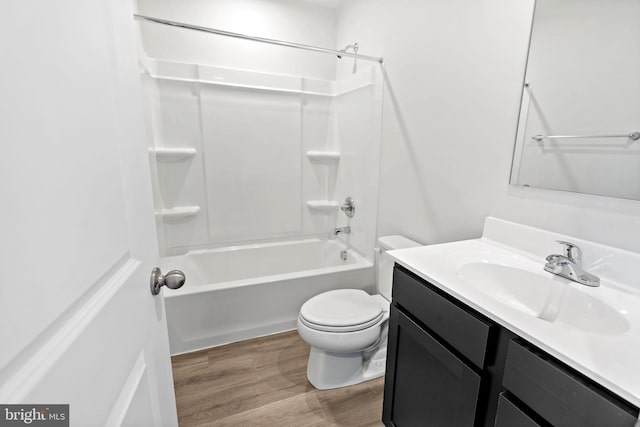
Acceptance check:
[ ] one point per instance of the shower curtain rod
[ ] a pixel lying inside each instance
(257, 39)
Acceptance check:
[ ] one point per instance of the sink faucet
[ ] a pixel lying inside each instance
(340, 230)
(569, 265)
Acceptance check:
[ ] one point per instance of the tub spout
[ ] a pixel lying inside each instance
(341, 230)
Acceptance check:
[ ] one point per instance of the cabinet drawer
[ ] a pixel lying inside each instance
(463, 330)
(509, 415)
(560, 395)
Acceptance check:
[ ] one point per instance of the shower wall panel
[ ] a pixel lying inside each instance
(263, 157)
(253, 163)
(318, 178)
(181, 182)
(357, 111)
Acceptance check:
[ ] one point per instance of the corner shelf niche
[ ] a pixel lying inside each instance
(322, 206)
(328, 157)
(172, 154)
(179, 212)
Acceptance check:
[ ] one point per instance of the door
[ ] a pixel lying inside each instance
(426, 384)
(78, 324)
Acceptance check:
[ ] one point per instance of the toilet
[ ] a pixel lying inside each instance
(347, 328)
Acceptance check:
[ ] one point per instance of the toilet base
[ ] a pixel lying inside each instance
(334, 370)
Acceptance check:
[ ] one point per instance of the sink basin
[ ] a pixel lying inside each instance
(521, 289)
(547, 297)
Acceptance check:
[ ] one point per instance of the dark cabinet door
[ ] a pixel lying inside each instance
(457, 325)
(426, 384)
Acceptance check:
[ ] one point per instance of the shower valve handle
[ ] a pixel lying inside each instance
(349, 207)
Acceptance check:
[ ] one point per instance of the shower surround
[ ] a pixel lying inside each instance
(245, 159)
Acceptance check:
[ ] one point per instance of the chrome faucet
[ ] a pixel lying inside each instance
(341, 230)
(569, 265)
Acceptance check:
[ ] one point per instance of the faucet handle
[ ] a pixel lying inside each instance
(554, 259)
(349, 207)
(572, 251)
(558, 260)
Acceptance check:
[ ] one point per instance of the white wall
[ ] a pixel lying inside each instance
(288, 20)
(454, 71)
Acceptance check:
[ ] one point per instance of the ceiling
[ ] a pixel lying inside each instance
(331, 4)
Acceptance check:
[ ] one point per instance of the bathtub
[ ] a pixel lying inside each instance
(248, 291)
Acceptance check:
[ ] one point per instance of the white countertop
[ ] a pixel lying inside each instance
(610, 359)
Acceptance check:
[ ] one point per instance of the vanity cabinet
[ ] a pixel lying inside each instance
(448, 365)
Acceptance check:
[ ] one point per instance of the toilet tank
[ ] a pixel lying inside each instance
(384, 263)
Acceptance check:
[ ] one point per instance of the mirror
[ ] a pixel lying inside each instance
(580, 114)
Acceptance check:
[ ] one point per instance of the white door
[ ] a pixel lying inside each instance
(78, 324)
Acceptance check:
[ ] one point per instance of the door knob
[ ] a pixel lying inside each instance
(172, 280)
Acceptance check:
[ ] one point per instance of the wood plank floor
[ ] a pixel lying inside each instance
(263, 382)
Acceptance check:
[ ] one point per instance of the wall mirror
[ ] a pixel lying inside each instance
(579, 123)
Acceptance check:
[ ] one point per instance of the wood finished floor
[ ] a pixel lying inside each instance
(263, 382)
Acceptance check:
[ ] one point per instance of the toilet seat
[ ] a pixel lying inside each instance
(342, 310)
(338, 329)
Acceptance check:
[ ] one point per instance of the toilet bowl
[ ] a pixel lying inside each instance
(347, 328)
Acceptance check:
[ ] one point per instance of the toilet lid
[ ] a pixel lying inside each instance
(342, 309)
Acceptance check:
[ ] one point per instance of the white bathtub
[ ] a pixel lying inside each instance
(243, 292)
